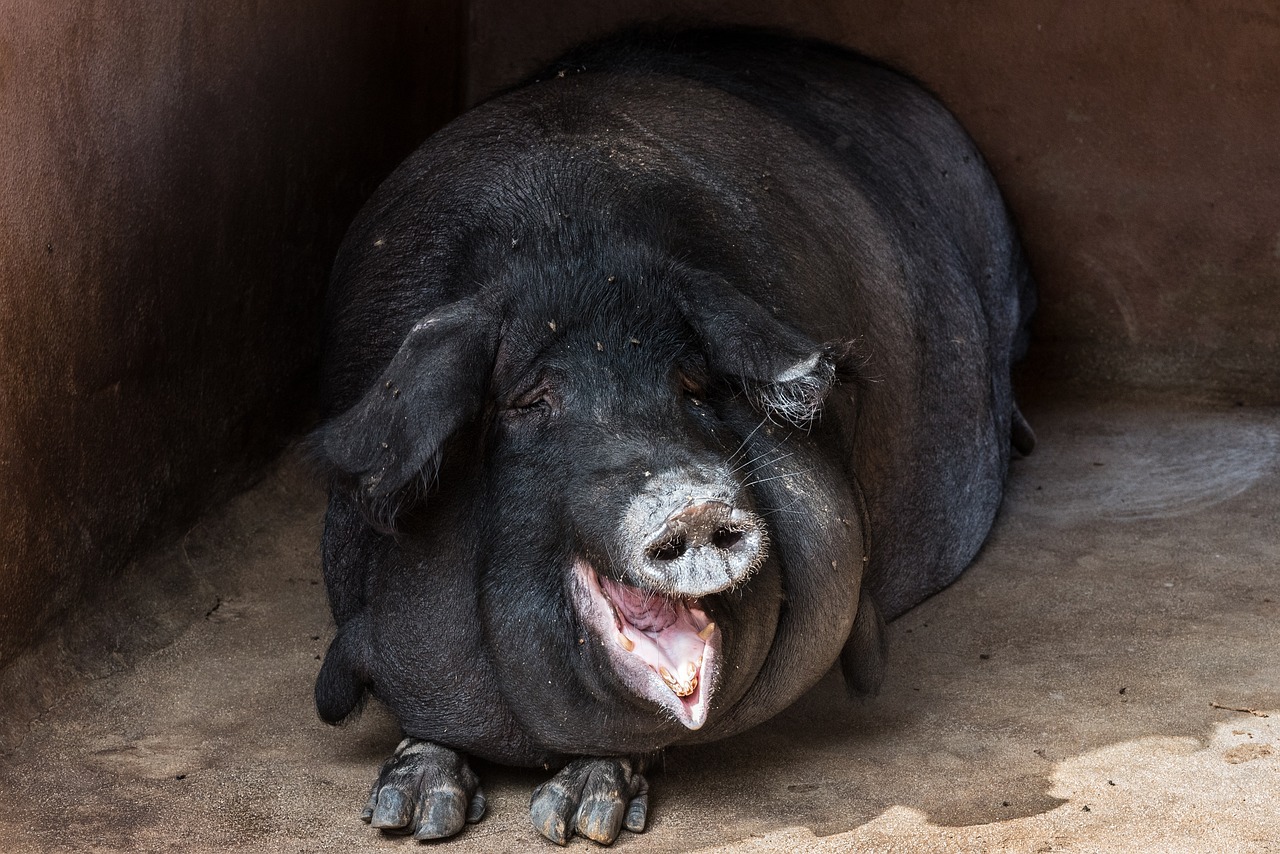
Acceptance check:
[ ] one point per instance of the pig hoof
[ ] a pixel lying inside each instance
(426, 790)
(594, 798)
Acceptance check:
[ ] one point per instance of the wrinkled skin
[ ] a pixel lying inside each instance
(655, 386)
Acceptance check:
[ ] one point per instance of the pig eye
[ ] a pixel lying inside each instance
(692, 386)
(537, 401)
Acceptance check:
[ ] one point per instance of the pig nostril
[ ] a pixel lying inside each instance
(726, 538)
(670, 549)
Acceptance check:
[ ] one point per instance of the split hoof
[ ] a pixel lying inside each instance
(425, 790)
(595, 798)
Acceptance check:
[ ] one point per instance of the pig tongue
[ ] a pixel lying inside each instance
(662, 631)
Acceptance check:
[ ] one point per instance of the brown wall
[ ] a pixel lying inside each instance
(173, 180)
(1138, 144)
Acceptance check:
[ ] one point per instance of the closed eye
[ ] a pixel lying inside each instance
(537, 401)
(532, 405)
(693, 386)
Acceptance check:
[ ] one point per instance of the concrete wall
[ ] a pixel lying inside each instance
(174, 177)
(1138, 143)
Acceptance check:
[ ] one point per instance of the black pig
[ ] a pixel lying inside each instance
(655, 384)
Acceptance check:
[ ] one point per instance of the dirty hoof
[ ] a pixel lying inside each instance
(426, 790)
(594, 798)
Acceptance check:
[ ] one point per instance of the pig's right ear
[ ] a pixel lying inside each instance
(434, 385)
(787, 374)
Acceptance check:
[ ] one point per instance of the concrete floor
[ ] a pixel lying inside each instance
(1079, 689)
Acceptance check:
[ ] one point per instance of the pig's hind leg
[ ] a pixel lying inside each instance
(426, 790)
(594, 798)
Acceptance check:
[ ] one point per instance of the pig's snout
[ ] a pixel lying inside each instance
(693, 539)
(705, 524)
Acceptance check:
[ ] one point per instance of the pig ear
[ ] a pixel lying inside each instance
(434, 385)
(787, 374)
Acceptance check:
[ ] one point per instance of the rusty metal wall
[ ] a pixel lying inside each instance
(174, 178)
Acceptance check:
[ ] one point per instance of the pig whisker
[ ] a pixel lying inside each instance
(776, 476)
(772, 462)
(781, 508)
(746, 463)
(429, 478)
(614, 564)
(734, 455)
(758, 457)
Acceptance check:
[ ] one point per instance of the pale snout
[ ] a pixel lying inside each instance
(691, 536)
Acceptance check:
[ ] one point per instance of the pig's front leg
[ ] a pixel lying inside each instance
(594, 798)
(426, 790)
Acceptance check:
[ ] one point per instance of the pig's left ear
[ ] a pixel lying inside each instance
(787, 374)
(435, 384)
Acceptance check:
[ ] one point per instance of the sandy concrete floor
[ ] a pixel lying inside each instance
(1074, 691)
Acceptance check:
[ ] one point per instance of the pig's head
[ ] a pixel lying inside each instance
(628, 589)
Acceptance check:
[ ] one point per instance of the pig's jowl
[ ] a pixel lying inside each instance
(655, 385)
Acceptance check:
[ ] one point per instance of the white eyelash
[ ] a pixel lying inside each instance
(796, 396)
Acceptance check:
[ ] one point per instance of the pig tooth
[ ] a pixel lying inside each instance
(705, 634)
(680, 687)
(625, 642)
(689, 671)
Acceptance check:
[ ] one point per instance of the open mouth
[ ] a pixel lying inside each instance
(663, 647)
